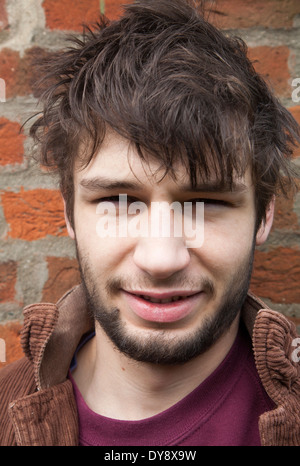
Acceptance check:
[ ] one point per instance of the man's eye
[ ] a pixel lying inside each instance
(116, 199)
(108, 199)
(212, 202)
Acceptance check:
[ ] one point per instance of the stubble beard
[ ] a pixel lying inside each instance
(160, 346)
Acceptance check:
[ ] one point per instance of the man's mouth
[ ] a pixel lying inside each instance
(162, 307)
(162, 301)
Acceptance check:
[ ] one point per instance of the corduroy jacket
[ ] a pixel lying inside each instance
(37, 404)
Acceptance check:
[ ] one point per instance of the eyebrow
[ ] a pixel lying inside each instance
(103, 183)
(98, 183)
(217, 186)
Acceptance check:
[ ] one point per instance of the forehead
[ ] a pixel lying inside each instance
(117, 159)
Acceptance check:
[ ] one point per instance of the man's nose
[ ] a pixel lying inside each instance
(161, 257)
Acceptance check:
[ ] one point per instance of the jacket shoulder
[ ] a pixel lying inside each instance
(16, 380)
(275, 340)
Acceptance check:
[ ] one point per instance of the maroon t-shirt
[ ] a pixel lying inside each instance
(222, 411)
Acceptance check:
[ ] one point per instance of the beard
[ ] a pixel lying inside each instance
(159, 345)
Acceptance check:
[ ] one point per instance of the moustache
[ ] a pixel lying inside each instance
(205, 284)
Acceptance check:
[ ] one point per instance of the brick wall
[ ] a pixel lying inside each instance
(37, 260)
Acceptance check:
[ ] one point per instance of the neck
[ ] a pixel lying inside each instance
(118, 387)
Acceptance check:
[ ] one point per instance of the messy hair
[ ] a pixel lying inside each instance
(178, 89)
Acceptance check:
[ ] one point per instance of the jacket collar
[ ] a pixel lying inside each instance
(52, 332)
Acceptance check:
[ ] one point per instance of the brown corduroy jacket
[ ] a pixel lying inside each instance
(37, 405)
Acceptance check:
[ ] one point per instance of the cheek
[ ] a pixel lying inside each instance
(226, 246)
(104, 253)
(99, 237)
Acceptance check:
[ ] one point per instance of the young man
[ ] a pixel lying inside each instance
(161, 344)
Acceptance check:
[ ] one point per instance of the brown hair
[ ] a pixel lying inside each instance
(179, 89)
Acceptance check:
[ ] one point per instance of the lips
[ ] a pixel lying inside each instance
(162, 307)
(161, 301)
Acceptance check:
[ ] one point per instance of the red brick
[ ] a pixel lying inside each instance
(236, 13)
(113, 8)
(9, 63)
(15, 71)
(276, 275)
(19, 73)
(63, 275)
(34, 214)
(28, 70)
(272, 64)
(10, 333)
(285, 217)
(295, 111)
(11, 142)
(3, 15)
(70, 15)
(255, 13)
(8, 278)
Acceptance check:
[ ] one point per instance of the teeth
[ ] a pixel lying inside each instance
(161, 301)
(176, 298)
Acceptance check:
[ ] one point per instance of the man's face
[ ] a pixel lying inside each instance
(158, 300)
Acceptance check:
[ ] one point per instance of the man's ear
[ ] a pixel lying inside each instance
(265, 227)
(68, 223)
